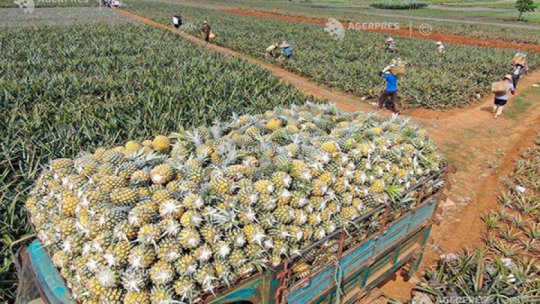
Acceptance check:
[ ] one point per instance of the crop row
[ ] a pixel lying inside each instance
(363, 14)
(504, 269)
(352, 64)
(68, 89)
(398, 4)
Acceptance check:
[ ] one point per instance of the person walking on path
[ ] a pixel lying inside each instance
(206, 31)
(440, 48)
(516, 74)
(391, 45)
(502, 99)
(391, 90)
(177, 21)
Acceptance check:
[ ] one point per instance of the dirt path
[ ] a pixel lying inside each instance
(483, 150)
(447, 38)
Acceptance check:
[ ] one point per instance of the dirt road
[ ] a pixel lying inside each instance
(482, 148)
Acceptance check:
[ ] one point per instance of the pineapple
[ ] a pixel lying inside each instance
(125, 196)
(161, 295)
(141, 257)
(61, 164)
(162, 174)
(161, 143)
(189, 238)
(186, 265)
(168, 250)
(273, 124)
(161, 273)
(137, 297)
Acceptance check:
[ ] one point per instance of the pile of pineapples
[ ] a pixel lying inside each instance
(177, 217)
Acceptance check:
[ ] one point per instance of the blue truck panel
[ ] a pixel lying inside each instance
(49, 279)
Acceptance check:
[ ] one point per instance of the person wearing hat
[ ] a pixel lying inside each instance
(177, 21)
(391, 89)
(269, 53)
(516, 74)
(206, 31)
(391, 45)
(502, 99)
(286, 49)
(440, 48)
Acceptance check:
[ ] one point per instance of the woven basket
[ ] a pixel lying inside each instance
(500, 87)
(397, 70)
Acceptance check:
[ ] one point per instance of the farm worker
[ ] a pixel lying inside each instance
(391, 45)
(391, 89)
(440, 48)
(286, 49)
(269, 53)
(206, 31)
(501, 100)
(177, 21)
(516, 75)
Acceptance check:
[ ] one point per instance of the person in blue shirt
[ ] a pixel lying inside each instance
(286, 49)
(391, 90)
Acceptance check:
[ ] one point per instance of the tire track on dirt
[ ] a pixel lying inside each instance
(482, 148)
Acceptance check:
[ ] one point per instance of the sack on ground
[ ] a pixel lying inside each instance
(500, 87)
(212, 36)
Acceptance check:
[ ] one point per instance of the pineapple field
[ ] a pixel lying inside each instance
(68, 89)
(155, 168)
(505, 270)
(459, 78)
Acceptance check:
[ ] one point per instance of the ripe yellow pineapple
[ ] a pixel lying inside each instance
(162, 174)
(125, 196)
(273, 124)
(161, 143)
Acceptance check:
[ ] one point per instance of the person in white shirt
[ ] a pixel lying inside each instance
(502, 99)
(177, 21)
(440, 48)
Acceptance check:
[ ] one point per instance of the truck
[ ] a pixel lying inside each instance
(344, 266)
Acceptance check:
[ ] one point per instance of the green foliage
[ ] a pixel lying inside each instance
(524, 6)
(399, 4)
(68, 89)
(506, 269)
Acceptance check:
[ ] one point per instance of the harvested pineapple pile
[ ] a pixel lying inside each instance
(178, 216)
